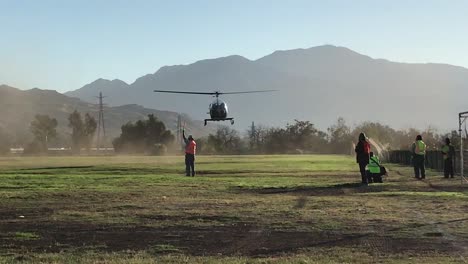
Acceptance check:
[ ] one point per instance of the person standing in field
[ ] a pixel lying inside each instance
(190, 149)
(448, 151)
(419, 156)
(362, 156)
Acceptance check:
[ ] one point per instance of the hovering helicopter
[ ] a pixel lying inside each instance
(218, 110)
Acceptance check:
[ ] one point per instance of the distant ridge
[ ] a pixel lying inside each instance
(88, 92)
(317, 84)
(18, 107)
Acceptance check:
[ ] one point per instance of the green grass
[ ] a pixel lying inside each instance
(25, 236)
(238, 209)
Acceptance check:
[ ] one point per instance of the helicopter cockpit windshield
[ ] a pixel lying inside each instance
(219, 104)
(218, 109)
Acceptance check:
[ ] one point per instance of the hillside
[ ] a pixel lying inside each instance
(17, 110)
(317, 84)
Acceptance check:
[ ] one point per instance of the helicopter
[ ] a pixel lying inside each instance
(218, 109)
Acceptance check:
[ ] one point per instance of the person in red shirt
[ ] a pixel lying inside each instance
(362, 156)
(190, 150)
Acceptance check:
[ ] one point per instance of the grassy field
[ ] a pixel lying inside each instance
(238, 209)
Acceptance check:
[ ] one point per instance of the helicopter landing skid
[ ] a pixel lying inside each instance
(220, 119)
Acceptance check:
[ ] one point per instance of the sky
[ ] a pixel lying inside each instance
(63, 45)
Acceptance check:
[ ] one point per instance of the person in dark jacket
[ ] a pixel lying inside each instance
(449, 152)
(362, 156)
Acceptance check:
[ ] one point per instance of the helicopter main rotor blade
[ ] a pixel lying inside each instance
(180, 92)
(213, 93)
(261, 91)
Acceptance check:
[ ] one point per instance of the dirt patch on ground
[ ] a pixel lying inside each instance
(339, 189)
(235, 238)
(345, 189)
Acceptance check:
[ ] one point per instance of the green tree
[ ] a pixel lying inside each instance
(299, 137)
(257, 135)
(90, 126)
(156, 132)
(78, 130)
(340, 137)
(44, 129)
(82, 130)
(276, 141)
(303, 136)
(144, 136)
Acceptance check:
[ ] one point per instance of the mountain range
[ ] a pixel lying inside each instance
(318, 84)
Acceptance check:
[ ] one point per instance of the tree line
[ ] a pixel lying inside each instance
(304, 137)
(44, 129)
(150, 136)
(144, 136)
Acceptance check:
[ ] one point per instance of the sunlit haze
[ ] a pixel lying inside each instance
(63, 45)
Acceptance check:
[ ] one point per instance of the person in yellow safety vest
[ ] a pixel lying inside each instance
(419, 157)
(376, 171)
(190, 150)
(448, 151)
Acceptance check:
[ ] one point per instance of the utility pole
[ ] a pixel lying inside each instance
(101, 123)
(253, 139)
(179, 128)
(253, 129)
(462, 120)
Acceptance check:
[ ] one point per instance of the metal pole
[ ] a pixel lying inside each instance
(461, 119)
(461, 154)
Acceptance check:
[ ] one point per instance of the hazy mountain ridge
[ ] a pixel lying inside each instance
(317, 84)
(18, 107)
(88, 92)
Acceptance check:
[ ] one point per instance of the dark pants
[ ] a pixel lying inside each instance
(376, 177)
(419, 168)
(362, 168)
(448, 167)
(189, 164)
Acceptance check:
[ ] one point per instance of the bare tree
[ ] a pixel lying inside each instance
(225, 141)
